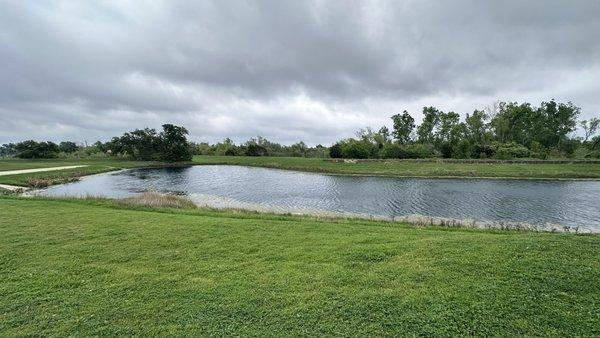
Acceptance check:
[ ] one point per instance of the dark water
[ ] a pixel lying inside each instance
(572, 203)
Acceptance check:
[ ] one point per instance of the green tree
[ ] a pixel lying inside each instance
(140, 144)
(356, 149)
(33, 149)
(554, 121)
(404, 124)
(514, 123)
(299, 149)
(68, 147)
(8, 149)
(449, 133)
(174, 146)
(476, 127)
(589, 127)
(426, 130)
(385, 133)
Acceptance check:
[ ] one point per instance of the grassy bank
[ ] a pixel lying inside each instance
(73, 267)
(413, 168)
(93, 166)
(390, 168)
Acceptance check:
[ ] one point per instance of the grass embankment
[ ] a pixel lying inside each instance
(77, 267)
(92, 166)
(415, 168)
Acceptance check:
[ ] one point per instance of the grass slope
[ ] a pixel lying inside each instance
(90, 268)
(413, 168)
(94, 166)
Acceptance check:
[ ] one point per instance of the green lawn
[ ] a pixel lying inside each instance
(413, 168)
(84, 268)
(94, 166)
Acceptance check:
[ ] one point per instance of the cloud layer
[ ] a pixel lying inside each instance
(286, 70)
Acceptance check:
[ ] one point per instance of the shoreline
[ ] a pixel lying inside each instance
(400, 176)
(225, 204)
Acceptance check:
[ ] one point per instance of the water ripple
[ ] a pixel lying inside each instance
(572, 203)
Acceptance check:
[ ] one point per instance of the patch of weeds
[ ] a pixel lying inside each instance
(157, 200)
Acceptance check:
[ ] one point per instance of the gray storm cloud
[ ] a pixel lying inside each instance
(287, 70)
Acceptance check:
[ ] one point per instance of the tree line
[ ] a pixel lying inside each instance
(506, 130)
(259, 146)
(169, 145)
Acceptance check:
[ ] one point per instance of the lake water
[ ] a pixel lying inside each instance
(570, 203)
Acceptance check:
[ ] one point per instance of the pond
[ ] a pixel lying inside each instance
(568, 203)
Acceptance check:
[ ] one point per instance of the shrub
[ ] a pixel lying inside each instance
(538, 150)
(568, 146)
(462, 149)
(335, 151)
(419, 150)
(392, 150)
(595, 154)
(482, 151)
(253, 149)
(356, 149)
(446, 149)
(507, 151)
(231, 151)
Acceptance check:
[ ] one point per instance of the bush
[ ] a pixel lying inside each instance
(419, 150)
(595, 154)
(568, 146)
(446, 149)
(482, 151)
(507, 151)
(392, 150)
(356, 149)
(335, 151)
(538, 150)
(253, 149)
(231, 151)
(462, 149)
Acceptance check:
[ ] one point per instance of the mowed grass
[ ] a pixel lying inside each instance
(77, 267)
(92, 166)
(414, 168)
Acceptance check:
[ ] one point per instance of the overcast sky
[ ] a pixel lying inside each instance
(288, 70)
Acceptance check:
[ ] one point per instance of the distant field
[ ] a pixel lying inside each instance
(88, 268)
(414, 169)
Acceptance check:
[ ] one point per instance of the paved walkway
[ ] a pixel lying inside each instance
(12, 187)
(27, 171)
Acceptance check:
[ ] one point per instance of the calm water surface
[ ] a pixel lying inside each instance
(573, 203)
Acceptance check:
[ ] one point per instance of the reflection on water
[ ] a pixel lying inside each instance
(573, 203)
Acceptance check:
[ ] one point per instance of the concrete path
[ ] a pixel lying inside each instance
(12, 187)
(27, 171)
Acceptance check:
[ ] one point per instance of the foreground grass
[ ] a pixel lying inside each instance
(413, 168)
(93, 166)
(72, 267)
